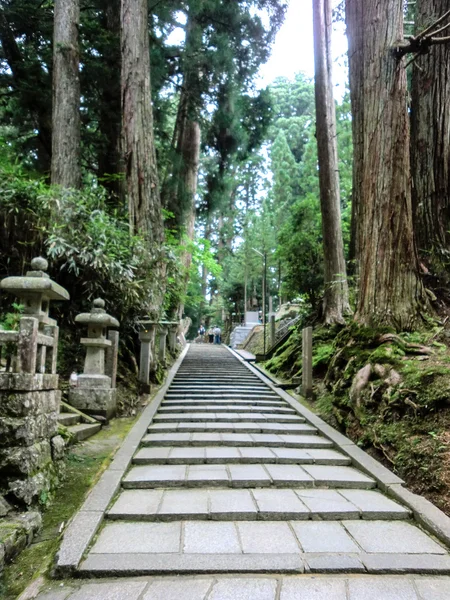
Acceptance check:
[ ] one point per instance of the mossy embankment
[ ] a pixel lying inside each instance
(84, 464)
(388, 392)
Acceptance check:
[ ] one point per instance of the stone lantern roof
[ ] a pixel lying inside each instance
(97, 316)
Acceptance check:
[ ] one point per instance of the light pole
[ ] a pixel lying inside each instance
(264, 257)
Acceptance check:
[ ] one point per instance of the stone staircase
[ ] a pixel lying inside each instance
(230, 478)
(79, 426)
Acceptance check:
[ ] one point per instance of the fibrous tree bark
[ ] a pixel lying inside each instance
(66, 144)
(141, 173)
(430, 137)
(336, 302)
(390, 289)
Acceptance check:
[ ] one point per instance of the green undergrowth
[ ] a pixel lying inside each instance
(390, 393)
(84, 464)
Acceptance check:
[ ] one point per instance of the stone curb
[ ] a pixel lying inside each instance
(426, 514)
(86, 522)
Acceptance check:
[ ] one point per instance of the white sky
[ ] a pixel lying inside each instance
(293, 50)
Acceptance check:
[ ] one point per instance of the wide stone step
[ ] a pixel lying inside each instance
(231, 427)
(224, 408)
(230, 417)
(221, 396)
(270, 440)
(246, 475)
(84, 431)
(68, 419)
(207, 546)
(239, 405)
(190, 455)
(252, 505)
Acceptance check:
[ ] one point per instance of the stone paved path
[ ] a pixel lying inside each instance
(229, 478)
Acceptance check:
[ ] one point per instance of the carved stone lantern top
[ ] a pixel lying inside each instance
(35, 291)
(97, 318)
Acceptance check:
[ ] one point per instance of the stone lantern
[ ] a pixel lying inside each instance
(95, 392)
(173, 328)
(146, 364)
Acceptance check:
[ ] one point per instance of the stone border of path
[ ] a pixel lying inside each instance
(85, 524)
(425, 513)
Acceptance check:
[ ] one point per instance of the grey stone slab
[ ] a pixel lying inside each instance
(376, 588)
(120, 590)
(266, 537)
(284, 503)
(249, 475)
(289, 475)
(334, 563)
(392, 537)
(436, 588)
(152, 455)
(207, 475)
(293, 455)
(156, 427)
(258, 454)
(77, 537)
(55, 594)
(328, 504)
(305, 441)
(375, 505)
(136, 503)
(326, 536)
(155, 475)
(324, 456)
(208, 537)
(184, 503)
(236, 439)
(244, 589)
(128, 537)
(179, 589)
(313, 589)
(205, 438)
(237, 503)
(222, 454)
(176, 564)
(103, 492)
(269, 439)
(335, 476)
(190, 455)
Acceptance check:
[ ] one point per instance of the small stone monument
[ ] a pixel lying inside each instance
(173, 329)
(30, 447)
(95, 392)
(147, 365)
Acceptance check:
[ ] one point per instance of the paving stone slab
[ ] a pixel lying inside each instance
(395, 537)
(130, 590)
(285, 503)
(433, 588)
(129, 538)
(329, 504)
(313, 589)
(136, 503)
(181, 504)
(244, 589)
(237, 503)
(259, 537)
(210, 538)
(289, 475)
(154, 476)
(372, 588)
(208, 475)
(334, 563)
(327, 536)
(339, 476)
(374, 505)
(182, 589)
(249, 476)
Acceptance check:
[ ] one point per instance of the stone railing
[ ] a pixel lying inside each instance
(35, 352)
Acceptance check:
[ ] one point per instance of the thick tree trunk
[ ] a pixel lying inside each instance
(430, 141)
(390, 290)
(335, 303)
(110, 165)
(66, 142)
(137, 124)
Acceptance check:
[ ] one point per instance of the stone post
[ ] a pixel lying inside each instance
(307, 388)
(163, 332)
(112, 355)
(30, 447)
(95, 393)
(147, 365)
(173, 328)
(272, 330)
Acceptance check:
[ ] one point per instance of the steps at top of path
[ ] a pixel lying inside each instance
(231, 478)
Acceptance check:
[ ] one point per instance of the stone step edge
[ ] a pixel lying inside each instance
(110, 565)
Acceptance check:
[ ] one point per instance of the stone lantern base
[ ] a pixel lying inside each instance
(94, 396)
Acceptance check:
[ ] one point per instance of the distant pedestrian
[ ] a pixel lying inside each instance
(217, 335)
(211, 335)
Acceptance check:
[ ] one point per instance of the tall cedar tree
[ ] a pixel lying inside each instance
(66, 142)
(390, 290)
(430, 137)
(335, 302)
(144, 204)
